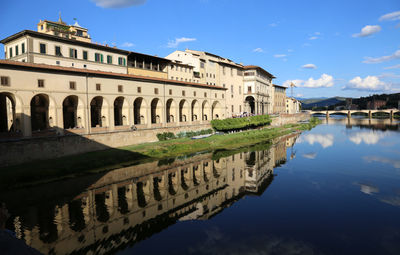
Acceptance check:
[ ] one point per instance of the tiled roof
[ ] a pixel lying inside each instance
(22, 65)
(259, 68)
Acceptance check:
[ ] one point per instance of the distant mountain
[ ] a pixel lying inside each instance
(320, 102)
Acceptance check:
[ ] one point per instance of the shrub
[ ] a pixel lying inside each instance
(165, 136)
(241, 123)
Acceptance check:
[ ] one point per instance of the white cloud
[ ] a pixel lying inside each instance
(273, 24)
(389, 75)
(306, 44)
(309, 66)
(313, 38)
(369, 60)
(127, 44)
(317, 33)
(371, 83)
(325, 140)
(290, 50)
(390, 16)
(299, 95)
(324, 81)
(280, 55)
(174, 44)
(118, 3)
(260, 50)
(392, 67)
(368, 30)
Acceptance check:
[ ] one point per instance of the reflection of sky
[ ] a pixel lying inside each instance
(394, 162)
(367, 137)
(325, 140)
(368, 189)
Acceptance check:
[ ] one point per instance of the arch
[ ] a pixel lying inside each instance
(40, 119)
(98, 112)
(195, 109)
(155, 111)
(9, 106)
(170, 110)
(139, 111)
(121, 111)
(249, 105)
(183, 111)
(172, 183)
(205, 110)
(73, 112)
(216, 110)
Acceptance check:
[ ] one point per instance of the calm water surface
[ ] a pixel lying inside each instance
(332, 190)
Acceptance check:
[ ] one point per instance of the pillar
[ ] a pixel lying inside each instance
(26, 125)
(369, 114)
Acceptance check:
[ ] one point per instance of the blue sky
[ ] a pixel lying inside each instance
(327, 48)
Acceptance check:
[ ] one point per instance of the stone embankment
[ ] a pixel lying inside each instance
(25, 150)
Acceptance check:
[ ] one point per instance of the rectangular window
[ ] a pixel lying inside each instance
(232, 109)
(16, 50)
(11, 55)
(43, 48)
(109, 59)
(23, 48)
(72, 85)
(231, 88)
(5, 81)
(172, 77)
(249, 89)
(216, 95)
(240, 90)
(120, 88)
(58, 51)
(183, 93)
(98, 86)
(84, 55)
(121, 61)
(156, 91)
(194, 93)
(170, 92)
(73, 53)
(240, 110)
(223, 70)
(139, 89)
(97, 57)
(205, 94)
(41, 83)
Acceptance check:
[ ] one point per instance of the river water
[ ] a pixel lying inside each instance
(332, 190)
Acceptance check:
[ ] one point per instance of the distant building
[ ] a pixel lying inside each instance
(376, 104)
(279, 99)
(292, 105)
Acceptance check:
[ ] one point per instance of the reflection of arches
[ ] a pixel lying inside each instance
(123, 207)
(172, 182)
(8, 119)
(249, 104)
(195, 110)
(216, 110)
(184, 173)
(101, 208)
(141, 194)
(205, 109)
(155, 111)
(251, 160)
(73, 110)
(139, 111)
(121, 111)
(76, 216)
(183, 111)
(40, 112)
(170, 110)
(98, 112)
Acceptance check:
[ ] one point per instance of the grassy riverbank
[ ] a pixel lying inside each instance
(100, 161)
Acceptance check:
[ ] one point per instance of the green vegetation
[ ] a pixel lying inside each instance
(101, 161)
(241, 123)
(168, 135)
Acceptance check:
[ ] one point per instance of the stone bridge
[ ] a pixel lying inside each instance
(391, 112)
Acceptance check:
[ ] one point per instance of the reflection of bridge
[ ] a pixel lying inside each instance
(391, 112)
(130, 204)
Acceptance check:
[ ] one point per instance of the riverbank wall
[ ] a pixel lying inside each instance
(24, 150)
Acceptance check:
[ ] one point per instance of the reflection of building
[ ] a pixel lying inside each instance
(132, 203)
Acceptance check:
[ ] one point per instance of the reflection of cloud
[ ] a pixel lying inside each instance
(367, 189)
(254, 245)
(395, 201)
(310, 155)
(393, 162)
(366, 137)
(325, 140)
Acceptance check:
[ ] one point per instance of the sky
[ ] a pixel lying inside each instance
(347, 48)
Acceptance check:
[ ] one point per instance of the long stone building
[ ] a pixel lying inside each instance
(56, 80)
